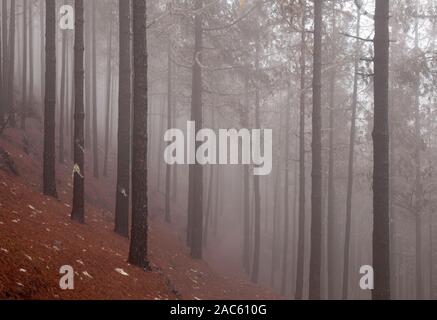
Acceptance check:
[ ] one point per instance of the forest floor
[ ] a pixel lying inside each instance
(37, 237)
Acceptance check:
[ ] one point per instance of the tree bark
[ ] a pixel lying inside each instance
(138, 251)
(124, 121)
(24, 101)
(381, 219)
(11, 67)
(316, 187)
(94, 102)
(78, 212)
(108, 99)
(350, 179)
(302, 175)
(63, 97)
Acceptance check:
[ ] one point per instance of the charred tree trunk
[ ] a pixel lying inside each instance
(49, 176)
(316, 186)
(302, 175)
(138, 251)
(381, 219)
(78, 212)
(124, 121)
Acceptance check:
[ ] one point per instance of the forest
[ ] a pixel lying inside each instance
(218, 149)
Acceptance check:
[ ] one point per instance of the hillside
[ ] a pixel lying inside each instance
(37, 237)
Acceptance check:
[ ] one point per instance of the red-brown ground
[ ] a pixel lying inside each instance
(37, 237)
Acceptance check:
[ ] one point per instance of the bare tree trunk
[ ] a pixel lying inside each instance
(332, 252)
(78, 212)
(257, 231)
(49, 175)
(286, 192)
(11, 67)
(24, 93)
(124, 121)
(169, 124)
(63, 97)
(316, 186)
(108, 99)
(302, 196)
(31, 62)
(350, 180)
(42, 40)
(4, 62)
(88, 74)
(138, 251)
(94, 86)
(195, 193)
(381, 217)
(2, 98)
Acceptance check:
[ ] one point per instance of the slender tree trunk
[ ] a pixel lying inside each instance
(316, 186)
(257, 231)
(286, 193)
(24, 93)
(31, 61)
(381, 217)
(78, 212)
(94, 86)
(138, 251)
(42, 39)
(88, 74)
(350, 180)
(2, 98)
(332, 252)
(302, 196)
(108, 99)
(49, 175)
(11, 67)
(124, 121)
(246, 187)
(195, 193)
(4, 62)
(63, 97)
(169, 124)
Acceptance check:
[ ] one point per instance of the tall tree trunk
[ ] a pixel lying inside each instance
(332, 252)
(246, 178)
(78, 212)
(286, 192)
(302, 196)
(124, 121)
(138, 254)
(316, 186)
(108, 99)
(63, 97)
(257, 231)
(195, 193)
(11, 67)
(350, 179)
(169, 124)
(31, 61)
(49, 176)
(381, 218)
(2, 98)
(24, 101)
(88, 73)
(4, 56)
(94, 102)
(42, 39)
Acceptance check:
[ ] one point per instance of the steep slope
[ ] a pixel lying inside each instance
(37, 237)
